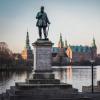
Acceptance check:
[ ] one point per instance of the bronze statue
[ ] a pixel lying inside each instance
(42, 23)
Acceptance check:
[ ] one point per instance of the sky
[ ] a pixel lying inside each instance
(77, 20)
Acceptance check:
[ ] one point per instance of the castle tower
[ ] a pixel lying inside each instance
(66, 45)
(93, 49)
(27, 42)
(27, 52)
(93, 43)
(61, 57)
(60, 44)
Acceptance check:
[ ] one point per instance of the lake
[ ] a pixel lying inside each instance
(78, 76)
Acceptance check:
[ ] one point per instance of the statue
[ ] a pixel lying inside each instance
(42, 23)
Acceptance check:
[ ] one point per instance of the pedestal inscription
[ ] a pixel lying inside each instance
(42, 55)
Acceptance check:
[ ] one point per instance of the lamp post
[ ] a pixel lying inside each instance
(92, 86)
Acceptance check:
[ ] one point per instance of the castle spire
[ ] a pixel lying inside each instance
(66, 45)
(93, 43)
(27, 52)
(27, 41)
(60, 44)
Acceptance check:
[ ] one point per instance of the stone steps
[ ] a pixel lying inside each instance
(15, 92)
(45, 97)
(1, 96)
(61, 99)
(41, 92)
(39, 96)
(5, 96)
(28, 90)
(43, 81)
(25, 91)
(30, 86)
(43, 75)
(71, 98)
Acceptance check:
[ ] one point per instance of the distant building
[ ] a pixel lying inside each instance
(59, 53)
(98, 59)
(82, 53)
(79, 53)
(74, 53)
(98, 56)
(27, 52)
(17, 56)
(93, 49)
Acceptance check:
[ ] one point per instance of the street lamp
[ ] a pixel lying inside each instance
(92, 87)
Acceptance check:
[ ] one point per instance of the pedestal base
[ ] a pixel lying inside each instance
(42, 55)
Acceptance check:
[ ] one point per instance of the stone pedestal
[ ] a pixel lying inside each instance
(42, 59)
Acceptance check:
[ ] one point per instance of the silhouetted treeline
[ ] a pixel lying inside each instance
(5, 58)
(8, 61)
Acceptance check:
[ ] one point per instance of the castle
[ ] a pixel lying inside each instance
(64, 53)
(74, 53)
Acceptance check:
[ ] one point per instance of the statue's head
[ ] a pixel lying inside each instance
(42, 8)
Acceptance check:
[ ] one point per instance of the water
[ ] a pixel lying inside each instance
(78, 76)
(8, 79)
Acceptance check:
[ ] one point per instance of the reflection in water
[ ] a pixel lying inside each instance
(78, 77)
(98, 73)
(69, 73)
(82, 77)
(8, 79)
